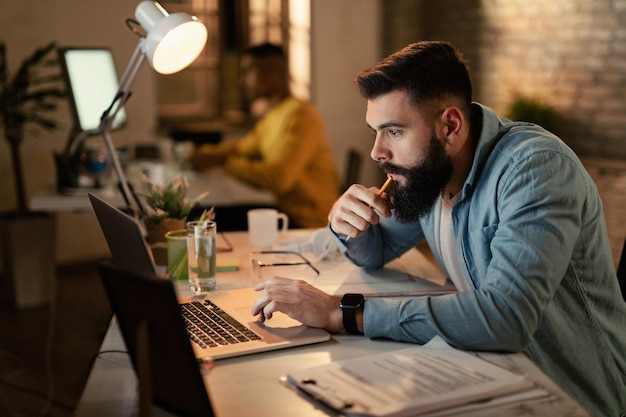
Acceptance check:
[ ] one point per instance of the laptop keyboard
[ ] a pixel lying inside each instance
(210, 326)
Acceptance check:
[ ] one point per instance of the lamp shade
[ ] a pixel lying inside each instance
(173, 41)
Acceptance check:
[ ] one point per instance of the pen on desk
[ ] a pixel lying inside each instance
(324, 395)
(380, 192)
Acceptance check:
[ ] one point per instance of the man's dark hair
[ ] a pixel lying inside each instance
(430, 71)
(265, 50)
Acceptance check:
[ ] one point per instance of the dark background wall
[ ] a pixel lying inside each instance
(569, 55)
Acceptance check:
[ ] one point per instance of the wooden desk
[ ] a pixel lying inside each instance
(249, 385)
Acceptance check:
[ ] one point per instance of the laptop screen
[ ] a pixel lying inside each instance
(124, 237)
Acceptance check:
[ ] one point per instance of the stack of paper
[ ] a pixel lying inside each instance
(414, 381)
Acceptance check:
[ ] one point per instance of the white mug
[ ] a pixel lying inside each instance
(263, 227)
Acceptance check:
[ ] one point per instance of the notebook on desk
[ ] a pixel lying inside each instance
(202, 314)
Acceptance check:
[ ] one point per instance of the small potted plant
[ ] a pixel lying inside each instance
(166, 208)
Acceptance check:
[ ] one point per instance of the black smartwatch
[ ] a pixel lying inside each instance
(350, 303)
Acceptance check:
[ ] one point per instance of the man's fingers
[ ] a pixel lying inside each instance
(276, 280)
(273, 289)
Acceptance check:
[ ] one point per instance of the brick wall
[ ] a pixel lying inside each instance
(566, 54)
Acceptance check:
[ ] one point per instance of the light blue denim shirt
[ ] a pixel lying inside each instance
(532, 240)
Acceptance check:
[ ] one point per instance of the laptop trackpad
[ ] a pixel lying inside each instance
(278, 321)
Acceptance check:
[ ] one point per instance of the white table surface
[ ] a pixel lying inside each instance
(224, 190)
(249, 385)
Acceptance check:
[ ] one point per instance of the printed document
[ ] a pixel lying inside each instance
(412, 381)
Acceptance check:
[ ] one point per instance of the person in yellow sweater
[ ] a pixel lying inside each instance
(287, 151)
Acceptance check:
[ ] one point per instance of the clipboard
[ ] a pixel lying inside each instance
(418, 380)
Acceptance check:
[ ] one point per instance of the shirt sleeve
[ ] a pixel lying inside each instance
(538, 204)
(274, 158)
(382, 243)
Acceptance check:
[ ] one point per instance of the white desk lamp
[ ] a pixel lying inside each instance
(170, 43)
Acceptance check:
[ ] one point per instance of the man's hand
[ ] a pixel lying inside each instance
(357, 209)
(300, 301)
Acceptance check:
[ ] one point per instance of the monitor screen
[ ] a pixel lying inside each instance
(92, 83)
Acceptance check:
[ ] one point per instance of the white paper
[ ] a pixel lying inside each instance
(411, 274)
(411, 381)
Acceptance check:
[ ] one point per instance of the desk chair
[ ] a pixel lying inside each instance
(353, 169)
(621, 271)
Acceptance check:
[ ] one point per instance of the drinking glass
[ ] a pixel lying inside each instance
(201, 253)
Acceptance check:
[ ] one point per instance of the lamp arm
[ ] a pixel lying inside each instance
(72, 146)
(106, 122)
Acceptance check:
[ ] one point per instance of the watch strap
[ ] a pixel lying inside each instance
(349, 320)
(349, 315)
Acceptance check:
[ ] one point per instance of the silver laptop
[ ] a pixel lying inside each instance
(205, 316)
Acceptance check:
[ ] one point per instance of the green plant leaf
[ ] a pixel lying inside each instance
(25, 100)
(168, 200)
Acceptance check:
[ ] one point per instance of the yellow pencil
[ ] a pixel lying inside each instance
(382, 190)
(385, 185)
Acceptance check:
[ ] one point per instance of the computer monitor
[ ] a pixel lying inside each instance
(92, 83)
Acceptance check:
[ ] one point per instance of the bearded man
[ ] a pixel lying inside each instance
(511, 216)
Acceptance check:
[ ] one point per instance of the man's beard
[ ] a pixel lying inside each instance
(424, 183)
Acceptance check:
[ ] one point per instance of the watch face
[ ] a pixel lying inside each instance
(351, 300)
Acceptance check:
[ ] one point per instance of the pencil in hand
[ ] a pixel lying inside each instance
(385, 185)
(380, 192)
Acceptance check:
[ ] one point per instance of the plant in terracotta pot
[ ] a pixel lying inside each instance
(166, 208)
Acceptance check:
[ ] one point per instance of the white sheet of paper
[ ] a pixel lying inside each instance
(411, 381)
(411, 274)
